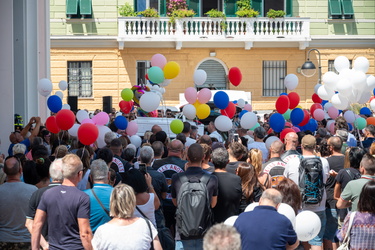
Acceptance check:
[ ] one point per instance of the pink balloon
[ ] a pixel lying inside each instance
(87, 120)
(101, 118)
(204, 95)
(132, 128)
(318, 114)
(333, 112)
(158, 60)
(191, 95)
(332, 128)
(296, 129)
(248, 107)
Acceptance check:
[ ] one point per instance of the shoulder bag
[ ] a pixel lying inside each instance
(346, 242)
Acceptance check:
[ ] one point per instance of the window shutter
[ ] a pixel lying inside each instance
(335, 7)
(347, 7)
(163, 8)
(230, 8)
(71, 7)
(85, 7)
(289, 8)
(194, 5)
(258, 6)
(216, 77)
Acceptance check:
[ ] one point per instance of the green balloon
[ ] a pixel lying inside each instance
(255, 126)
(127, 94)
(286, 115)
(155, 74)
(360, 123)
(176, 126)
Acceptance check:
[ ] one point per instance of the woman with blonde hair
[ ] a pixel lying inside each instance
(207, 157)
(255, 159)
(125, 231)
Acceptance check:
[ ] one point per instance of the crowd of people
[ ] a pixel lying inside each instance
(56, 193)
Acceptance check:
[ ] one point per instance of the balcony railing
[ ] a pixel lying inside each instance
(140, 29)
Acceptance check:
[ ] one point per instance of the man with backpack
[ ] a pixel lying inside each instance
(194, 193)
(310, 173)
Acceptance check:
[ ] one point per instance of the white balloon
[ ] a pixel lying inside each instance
(341, 62)
(231, 220)
(241, 103)
(165, 83)
(316, 87)
(330, 79)
(189, 111)
(270, 140)
(251, 206)
(361, 64)
(291, 81)
(149, 101)
(372, 105)
(59, 94)
(345, 74)
(248, 120)
(63, 85)
(44, 87)
(223, 123)
(349, 116)
(102, 131)
(82, 115)
(339, 102)
(344, 87)
(288, 211)
(359, 80)
(365, 97)
(370, 82)
(136, 140)
(200, 77)
(307, 225)
(324, 93)
(65, 106)
(73, 131)
(327, 106)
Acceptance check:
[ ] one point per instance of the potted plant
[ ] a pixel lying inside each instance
(181, 13)
(247, 13)
(275, 13)
(214, 13)
(127, 10)
(150, 12)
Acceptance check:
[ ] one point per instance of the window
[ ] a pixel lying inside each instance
(142, 67)
(331, 65)
(80, 79)
(141, 5)
(274, 73)
(216, 75)
(78, 8)
(263, 6)
(340, 9)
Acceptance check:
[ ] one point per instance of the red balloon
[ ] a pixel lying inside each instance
(235, 76)
(65, 119)
(52, 125)
(229, 111)
(316, 98)
(285, 132)
(126, 106)
(87, 133)
(306, 118)
(146, 76)
(282, 104)
(293, 100)
(314, 107)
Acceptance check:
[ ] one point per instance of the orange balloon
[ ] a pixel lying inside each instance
(370, 120)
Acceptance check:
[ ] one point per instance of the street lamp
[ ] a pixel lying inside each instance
(308, 69)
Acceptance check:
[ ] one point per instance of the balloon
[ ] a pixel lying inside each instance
(101, 118)
(176, 126)
(316, 87)
(306, 118)
(277, 122)
(361, 64)
(121, 122)
(370, 82)
(341, 62)
(282, 104)
(229, 111)
(235, 76)
(158, 60)
(54, 103)
(248, 120)
(296, 129)
(349, 116)
(314, 107)
(370, 120)
(372, 104)
(189, 111)
(251, 206)
(127, 94)
(319, 114)
(136, 140)
(327, 106)
(330, 79)
(200, 77)
(59, 94)
(296, 116)
(333, 112)
(316, 99)
(149, 101)
(52, 125)
(191, 95)
(241, 103)
(204, 95)
(63, 85)
(248, 107)
(307, 225)
(242, 113)
(155, 74)
(87, 133)
(288, 211)
(365, 97)
(171, 70)
(223, 123)
(65, 106)
(270, 140)
(126, 107)
(165, 83)
(88, 120)
(203, 111)
(285, 132)
(286, 115)
(293, 99)
(44, 87)
(344, 86)
(102, 131)
(283, 94)
(312, 125)
(132, 128)
(255, 126)
(291, 81)
(324, 93)
(81, 115)
(365, 111)
(231, 220)
(196, 104)
(73, 131)
(359, 80)
(360, 123)
(65, 119)
(339, 102)
(221, 99)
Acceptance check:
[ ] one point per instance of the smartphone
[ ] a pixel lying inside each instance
(143, 168)
(235, 137)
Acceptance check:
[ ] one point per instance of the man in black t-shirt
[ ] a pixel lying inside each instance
(118, 164)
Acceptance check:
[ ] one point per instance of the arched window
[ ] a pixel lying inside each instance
(216, 74)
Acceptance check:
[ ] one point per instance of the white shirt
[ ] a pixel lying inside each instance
(189, 141)
(148, 209)
(216, 135)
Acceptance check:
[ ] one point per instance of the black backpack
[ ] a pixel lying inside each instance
(311, 180)
(193, 215)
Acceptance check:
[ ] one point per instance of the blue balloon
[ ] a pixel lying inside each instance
(283, 94)
(277, 122)
(340, 111)
(121, 122)
(296, 116)
(373, 91)
(242, 113)
(365, 111)
(350, 126)
(312, 125)
(221, 99)
(235, 102)
(54, 103)
(324, 102)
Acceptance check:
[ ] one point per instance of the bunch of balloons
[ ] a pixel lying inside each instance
(197, 103)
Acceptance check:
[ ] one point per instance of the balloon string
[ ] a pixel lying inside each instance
(83, 151)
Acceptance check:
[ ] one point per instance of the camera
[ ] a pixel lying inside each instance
(143, 168)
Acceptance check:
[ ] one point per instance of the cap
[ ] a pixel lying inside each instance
(308, 141)
(260, 132)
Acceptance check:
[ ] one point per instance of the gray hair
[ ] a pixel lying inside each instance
(109, 136)
(71, 165)
(146, 154)
(222, 237)
(55, 170)
(19, 148)
(99, 170)
(273, 196)
(220, 158)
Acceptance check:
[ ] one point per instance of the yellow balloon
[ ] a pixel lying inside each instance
(171, 70)
(203, 111)
(299, 106)
(196, 104)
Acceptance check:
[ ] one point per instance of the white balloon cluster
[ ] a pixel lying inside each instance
(352, 85)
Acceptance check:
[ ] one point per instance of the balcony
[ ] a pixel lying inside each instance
(211, 32)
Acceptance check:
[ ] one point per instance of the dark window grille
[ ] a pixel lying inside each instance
(331, 65)
(216, 76)
(80, 79)
(142, 67)
(274, 73)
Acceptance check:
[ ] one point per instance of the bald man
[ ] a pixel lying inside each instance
(291, 143)
(275, 166)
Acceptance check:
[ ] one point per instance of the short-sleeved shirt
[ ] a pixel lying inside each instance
(345, 175)
(289, 154)
(336, 163)
(274, 167)
(354, 188)
(158, 181)
(367, 143)
(64, 205)
(264, 228)
(231, 167)
(26, 142)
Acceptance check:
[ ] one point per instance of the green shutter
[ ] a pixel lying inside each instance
(163, 8)
(335, 7)
(258, 6)
(230, 8)
(194, 5)
(85, 7)
(347, 7)
(289, 7)
(71, 7)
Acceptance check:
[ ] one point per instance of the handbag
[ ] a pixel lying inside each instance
(346, 242)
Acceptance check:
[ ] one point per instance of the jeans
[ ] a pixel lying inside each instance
(196, 244)
(331, 225)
